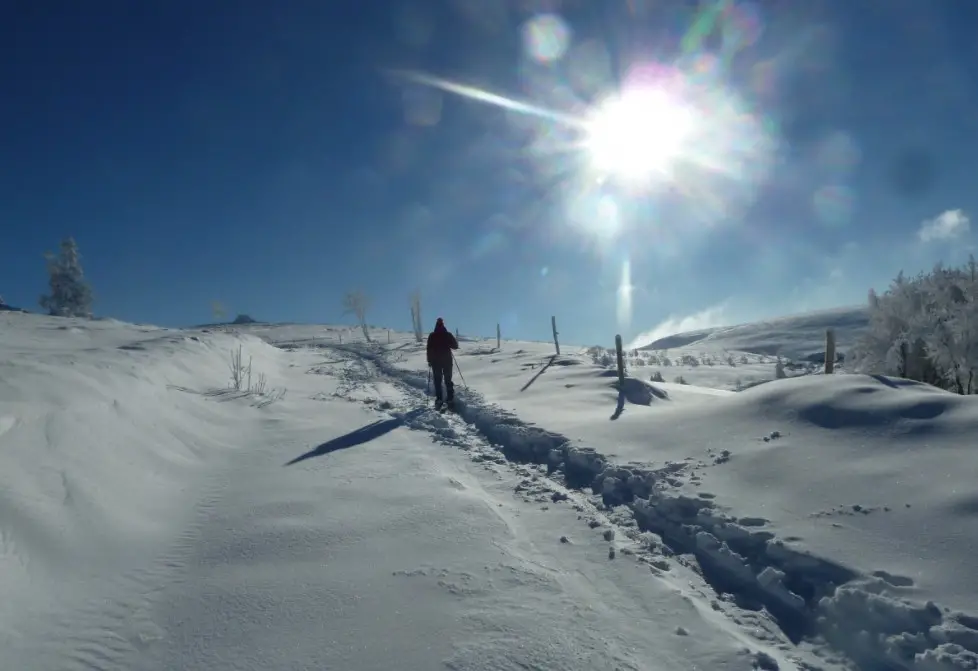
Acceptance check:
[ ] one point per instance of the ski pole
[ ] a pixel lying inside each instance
(460, 376)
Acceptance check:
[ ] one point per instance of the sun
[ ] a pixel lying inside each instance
(637, 134)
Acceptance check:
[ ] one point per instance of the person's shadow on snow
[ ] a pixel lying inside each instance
(358, 436)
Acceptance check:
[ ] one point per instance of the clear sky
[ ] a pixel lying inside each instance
(759, 158)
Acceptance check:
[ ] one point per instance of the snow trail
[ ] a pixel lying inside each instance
(812, 598)
(333, 528)
(391, 551)
(150, 518)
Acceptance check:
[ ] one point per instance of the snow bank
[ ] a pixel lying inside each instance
(101, 446)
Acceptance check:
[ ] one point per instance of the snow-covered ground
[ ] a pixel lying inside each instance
(151, 518)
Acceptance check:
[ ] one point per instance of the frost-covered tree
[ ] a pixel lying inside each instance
(357, 303)
(70, 294)
(925, 328)
(416, 323)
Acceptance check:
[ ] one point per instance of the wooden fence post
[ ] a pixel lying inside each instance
(498, 337)
(829, 351)
(621, 362)
(553, 325)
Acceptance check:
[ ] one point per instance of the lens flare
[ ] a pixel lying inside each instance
(637, 133)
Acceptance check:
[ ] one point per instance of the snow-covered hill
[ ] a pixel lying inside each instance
(323, 516)
(794, 337)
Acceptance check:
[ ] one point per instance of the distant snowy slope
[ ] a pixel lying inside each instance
(795, 337)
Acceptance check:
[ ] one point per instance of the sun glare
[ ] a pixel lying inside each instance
(637, 133)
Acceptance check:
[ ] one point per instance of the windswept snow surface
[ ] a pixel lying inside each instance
(845, 505)
(795, 336)
(151, 518)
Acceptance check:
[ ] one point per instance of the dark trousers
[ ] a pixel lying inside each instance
(441, 371)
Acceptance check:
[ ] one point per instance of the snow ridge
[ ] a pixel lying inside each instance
(811, 597)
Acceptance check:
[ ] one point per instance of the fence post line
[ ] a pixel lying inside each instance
(553, 325)
(621, 362)
(829, 351)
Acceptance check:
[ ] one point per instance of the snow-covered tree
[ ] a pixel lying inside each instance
(70, 294)
(925, 328)
(416, 322)
(357, 303)
(779, 373)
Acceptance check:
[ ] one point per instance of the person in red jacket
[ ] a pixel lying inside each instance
(441, 342)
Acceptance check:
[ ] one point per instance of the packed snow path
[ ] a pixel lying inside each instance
(334, 535)
(875, 617)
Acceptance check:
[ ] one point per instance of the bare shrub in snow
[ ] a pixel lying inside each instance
(238, 369)
(245, 382)
(657, 377)
(357, 303)
(925, 328)
(689, 360)
(70, 294)
(680, 380)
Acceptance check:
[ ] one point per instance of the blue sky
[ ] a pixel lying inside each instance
(272, 156)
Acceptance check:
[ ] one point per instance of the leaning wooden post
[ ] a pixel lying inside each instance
(829, 351)
(498, 337)
(621, 362)
(553, 325)
(456, 333)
